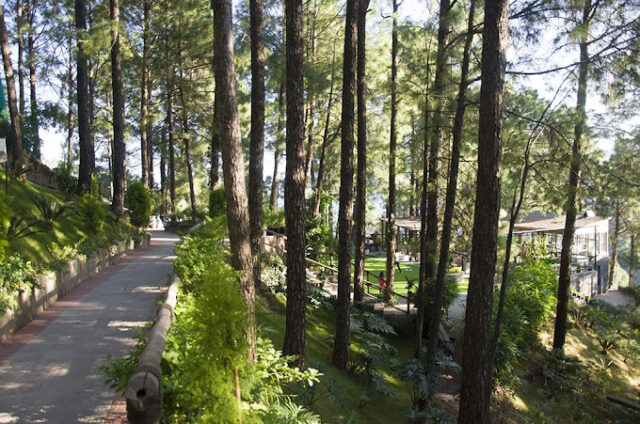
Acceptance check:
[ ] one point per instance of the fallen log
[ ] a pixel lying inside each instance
(144, 389)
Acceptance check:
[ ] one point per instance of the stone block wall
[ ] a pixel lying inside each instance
(56, 285)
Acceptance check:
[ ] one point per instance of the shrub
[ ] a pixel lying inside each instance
(217, 203)
(448, 296)
(273, 272)
(4, 224)
(15, 274)
(66, 182)
(206, 347)
(633, 292)
(92, 213)
(138, 202)
(529, 303)
(320, 237)
(273, 218)
(620, 277)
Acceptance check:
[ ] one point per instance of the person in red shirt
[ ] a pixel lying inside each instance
(381, 280)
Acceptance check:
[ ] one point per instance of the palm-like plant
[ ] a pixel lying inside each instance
(21, 226)
(50, 210)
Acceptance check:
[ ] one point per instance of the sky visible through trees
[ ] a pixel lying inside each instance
(53, 139)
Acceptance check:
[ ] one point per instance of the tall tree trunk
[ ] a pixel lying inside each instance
(360, 225)
(632, 259)
(564, 274)
(614, 242)
(20, 36)
(150, 141)
(87, 155)
(163, 168)
(477, 369)
(110, 165)
(391, 201)
(119, 149)
(325, 141)
(93, 80)
(14, 140)
(294, 207)
(32, 81)
(187, 155)
(186, 135)
(256, 157)
(232, 160)
(422, 273)
(70, 99)
(192, 191)
(277, 154)
(144, 96)
(172, 153)
(169, 113)
(345, 212)
(308, 162)
(215, 150)
(450, 197)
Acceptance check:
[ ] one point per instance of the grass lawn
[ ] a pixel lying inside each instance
(409, 272)
(320, 332)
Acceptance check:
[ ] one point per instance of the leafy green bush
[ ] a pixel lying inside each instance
(369, 352)
(138, 201)
(16, 274)
(620, 277)
(454, 270)
(273, 218)
(66, 182)
(206, 346)
(93, 213)
(273, 272)
(633, 292)
(529, 303)
(448, 296)
(4, 225)
(320, 237)
(217, 203)
(268, 378)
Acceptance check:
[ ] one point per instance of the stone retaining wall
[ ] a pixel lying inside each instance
(56, 285)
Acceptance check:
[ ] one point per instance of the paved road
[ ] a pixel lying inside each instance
(49, 370)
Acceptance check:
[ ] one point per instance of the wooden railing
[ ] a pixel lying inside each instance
(368, 284)
(144, 389)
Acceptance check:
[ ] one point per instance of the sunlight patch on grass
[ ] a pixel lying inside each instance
(519, 403)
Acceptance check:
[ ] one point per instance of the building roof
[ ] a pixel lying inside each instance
(556, 224)
(408, 224)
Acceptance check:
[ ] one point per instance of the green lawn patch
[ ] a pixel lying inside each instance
(407, 273)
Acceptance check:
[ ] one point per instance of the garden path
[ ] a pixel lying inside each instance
(49, 369)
